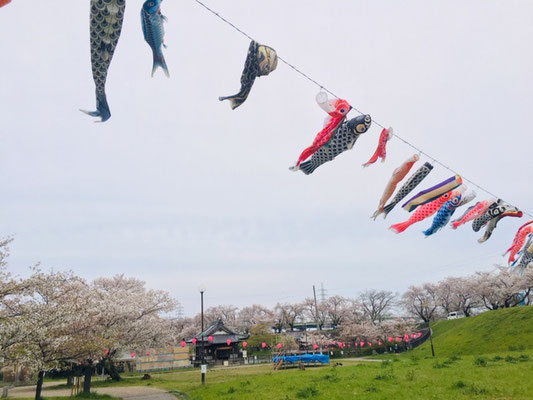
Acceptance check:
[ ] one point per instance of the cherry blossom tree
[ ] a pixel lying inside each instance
(422, 301)
(458, 294)
(377, 305)
(318, 314)
(337, 310)
(128, 317)
(228, 315)
(254, 315)
(503, 288)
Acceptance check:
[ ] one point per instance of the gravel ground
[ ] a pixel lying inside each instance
(129, 393)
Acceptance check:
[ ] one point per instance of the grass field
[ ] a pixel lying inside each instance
(501, 376)
(485, 357)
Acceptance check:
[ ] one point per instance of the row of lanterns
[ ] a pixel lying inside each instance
(315, 346)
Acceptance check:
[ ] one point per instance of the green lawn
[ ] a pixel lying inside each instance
(486, 357)
(504, 376)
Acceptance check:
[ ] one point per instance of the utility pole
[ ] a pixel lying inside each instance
(203, 367)
(316, 320)
(430, 331)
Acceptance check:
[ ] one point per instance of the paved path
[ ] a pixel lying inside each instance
(127, 393)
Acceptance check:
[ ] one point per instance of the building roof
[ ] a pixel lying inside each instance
(220, 333)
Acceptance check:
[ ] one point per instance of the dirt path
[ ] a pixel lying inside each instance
(127, 393)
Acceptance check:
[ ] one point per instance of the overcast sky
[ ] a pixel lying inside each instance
(180, 191)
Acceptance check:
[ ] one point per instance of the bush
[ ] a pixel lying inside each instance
(480, 362)
(306, 392)
(455, 357)
(523, 358)
(438, 365)
(510, 359)
(410, 375)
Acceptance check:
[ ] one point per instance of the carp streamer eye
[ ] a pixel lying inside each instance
(151, 4)
(343, 110)
(360, 128)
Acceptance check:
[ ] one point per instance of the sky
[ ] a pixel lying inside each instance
(180, 191)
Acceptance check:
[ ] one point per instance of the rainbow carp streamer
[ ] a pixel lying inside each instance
(433, 193)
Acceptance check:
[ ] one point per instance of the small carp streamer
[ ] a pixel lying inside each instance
(473, 212)
(443, 215)
(343, 139)
(337, 111)
(433, 193)
(260, 61)
(154, 32)
(519, 240)
(4, 2)
(381, 151)
(408, 187)
(106, 25)
(508, 211)
(397, 176)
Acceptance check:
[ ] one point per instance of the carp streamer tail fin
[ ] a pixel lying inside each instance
(102, 108)
(233, 100)
(159, 62)
(307, 168)
(399, 228)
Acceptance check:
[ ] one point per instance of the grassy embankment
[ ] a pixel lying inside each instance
(485, 357)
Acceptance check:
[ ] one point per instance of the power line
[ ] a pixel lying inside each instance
(322, 87)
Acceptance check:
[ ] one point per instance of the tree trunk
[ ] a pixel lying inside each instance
(70, 380)
(111, 370)
(39, 385)
(87, 372)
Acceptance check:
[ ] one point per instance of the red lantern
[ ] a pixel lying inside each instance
(194, 341)
(419, 334)
(148, 353)
(228, 342)
(183, 343)
(390, 339)
(413, 335)
(279, 345)
(106, 352)
(263, 345)
(244, 344)
(356, 344)
(406, 337)
(133, 355)
(397, 339)
(315, 346)
(370, 344)
(349, 345)
(210, 339)
(380, 343)
(362, 344)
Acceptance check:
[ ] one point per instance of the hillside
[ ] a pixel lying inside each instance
(491, 332)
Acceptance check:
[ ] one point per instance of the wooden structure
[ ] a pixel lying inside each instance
(217, 351)
(164, 359)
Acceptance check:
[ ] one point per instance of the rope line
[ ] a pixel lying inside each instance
(322, 87)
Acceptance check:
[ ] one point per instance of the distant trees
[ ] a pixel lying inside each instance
(376, 305)
(422, 301)
(501, 288)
